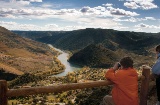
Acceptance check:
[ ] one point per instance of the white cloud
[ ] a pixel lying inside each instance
(147, 5)
(122, 12)
(51, 26)
(8, 23)
(35, 0)
(17, 3)
(139, 1)
(46, 5)
(108, 11)
(132, 19)
(142, 25)
(44, 11)
(86, 17)
(104, 16)
(108, 5)
(23, 2)
(82, 23)
(86, 9)
(150, 18)
(120, 28)
(132, 5)
(140, 4)
(100, 8)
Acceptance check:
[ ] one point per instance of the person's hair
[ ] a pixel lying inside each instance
(158, 48)
(126, 62)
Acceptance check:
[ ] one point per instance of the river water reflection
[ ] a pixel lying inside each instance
(69, 67)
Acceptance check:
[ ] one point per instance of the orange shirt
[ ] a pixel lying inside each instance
(125, 89)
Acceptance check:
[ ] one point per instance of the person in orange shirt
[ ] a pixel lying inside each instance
(125, 79)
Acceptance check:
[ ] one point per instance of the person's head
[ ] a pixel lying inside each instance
(126, 62)
(158, 49)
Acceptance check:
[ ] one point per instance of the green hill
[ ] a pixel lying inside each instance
(136, 42)
(94, 56)
(138, 45)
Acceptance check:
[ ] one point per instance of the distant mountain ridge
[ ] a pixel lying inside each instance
(111, 39)
(82, 43)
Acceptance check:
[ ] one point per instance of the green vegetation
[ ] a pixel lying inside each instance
(90, 96)
(94, 56)
(7, 76)
(91, 47)
(136, 42)
(73, 97)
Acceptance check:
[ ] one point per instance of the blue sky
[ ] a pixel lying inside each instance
(57, 15)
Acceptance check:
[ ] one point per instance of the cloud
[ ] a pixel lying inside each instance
(46, 5)
(132, 5)
(122, 12)
(14, 3)
(120, 28)
(132, 19)
(17, 3)
(87, 10)
(147, 5)
(35, 0)
(82, 23)
(109, 11)
(150, 18)
(79, 18)
(108, 5)
(51, 25)
(140, 4)
(23, 2)
(8, 23)
(142, 25)
(45, 11)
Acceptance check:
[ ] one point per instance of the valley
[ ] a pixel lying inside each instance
(27, 57)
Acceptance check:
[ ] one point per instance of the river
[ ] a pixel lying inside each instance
(69, 67)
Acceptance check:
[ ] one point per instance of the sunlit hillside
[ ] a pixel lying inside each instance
(21, 55)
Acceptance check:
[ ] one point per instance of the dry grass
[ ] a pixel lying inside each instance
(10, 69)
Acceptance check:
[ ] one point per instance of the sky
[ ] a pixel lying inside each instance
(67, 15)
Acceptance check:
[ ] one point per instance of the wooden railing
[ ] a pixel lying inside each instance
(5, 92)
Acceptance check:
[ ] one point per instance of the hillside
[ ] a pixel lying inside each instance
(95, 48)
(21, 55)
(136, 42)
(94, 56)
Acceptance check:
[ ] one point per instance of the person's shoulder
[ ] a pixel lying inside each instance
(129, 71)
(133, 70)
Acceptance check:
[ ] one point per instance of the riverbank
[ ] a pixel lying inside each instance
(63, 58)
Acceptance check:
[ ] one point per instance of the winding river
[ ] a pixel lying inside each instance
(63, 57)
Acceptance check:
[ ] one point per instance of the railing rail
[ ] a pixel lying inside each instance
(56, 88)
(5, 93)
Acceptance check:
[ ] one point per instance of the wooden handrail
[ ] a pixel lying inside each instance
(59, 88)
(4, 93)
(56, 88)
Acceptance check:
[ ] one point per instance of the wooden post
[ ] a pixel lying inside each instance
(3, 92)
(144, 85)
